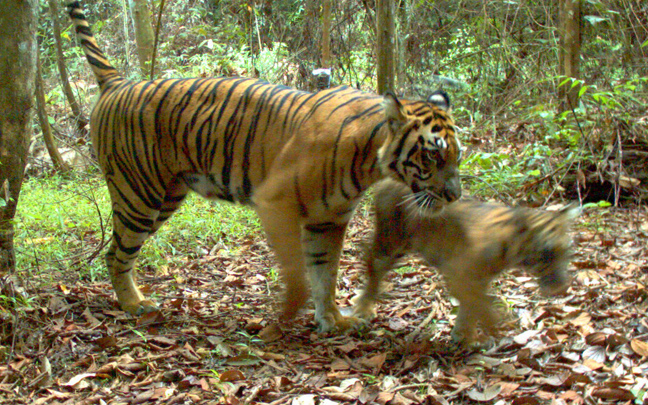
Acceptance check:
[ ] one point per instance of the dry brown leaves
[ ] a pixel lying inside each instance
(216, 339)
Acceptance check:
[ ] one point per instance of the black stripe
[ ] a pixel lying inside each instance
(130, 251)
(320, 228)
(303, 210)
(356, 163)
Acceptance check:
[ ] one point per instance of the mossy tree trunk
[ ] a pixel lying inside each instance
(570, 41)
(326, 33)
(385, 44)
(18, 47)
(144, 36)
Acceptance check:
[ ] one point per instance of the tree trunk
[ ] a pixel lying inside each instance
(385, 45)
(570, 41)
(18, 47)
(326, 33)
(50, 143)
(126, 35)
(144, 36)
(60, 62)
(403, 29)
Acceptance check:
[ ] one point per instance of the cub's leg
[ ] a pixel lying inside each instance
(378, 261)
(322, 244)
(474, 303)
(389, 242)
(130, 231)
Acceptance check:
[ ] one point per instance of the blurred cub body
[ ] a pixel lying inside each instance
(470, 243)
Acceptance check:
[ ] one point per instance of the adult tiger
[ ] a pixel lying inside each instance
(301, 160)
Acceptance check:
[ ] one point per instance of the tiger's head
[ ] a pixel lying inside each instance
(544, 242)
(423, 150)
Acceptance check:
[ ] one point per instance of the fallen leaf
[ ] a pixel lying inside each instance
(77, 379)
(485, 396)
(150, 318)
(271, 333)
(375, 363)
(106, 342)
(640, 347)
(596, 353)
(581, 320)
(308, 399)
(245, 359)
(397, 324)
(617, 394)
(231, 375)
(524, 337)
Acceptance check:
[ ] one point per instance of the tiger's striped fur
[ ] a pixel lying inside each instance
(301, 160)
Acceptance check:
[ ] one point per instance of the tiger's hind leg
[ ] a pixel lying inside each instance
(173, 199)
(129, 234)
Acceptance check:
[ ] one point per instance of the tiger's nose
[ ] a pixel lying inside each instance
(452, 191)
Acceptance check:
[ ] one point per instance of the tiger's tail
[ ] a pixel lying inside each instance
(102, 69)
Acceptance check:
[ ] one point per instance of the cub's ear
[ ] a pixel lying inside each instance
(440, 99)
(394, 111)
(569, 212)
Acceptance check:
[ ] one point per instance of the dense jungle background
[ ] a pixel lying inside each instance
(550, 101)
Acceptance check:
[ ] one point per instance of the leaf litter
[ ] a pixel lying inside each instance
(217, 339)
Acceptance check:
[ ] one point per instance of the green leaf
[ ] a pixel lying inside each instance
(582, 91)
(564, 82)
(594, 19)
(645, 43)
(575, 83)
(600, 204)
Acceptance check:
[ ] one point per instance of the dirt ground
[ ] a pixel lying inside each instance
(216, 340)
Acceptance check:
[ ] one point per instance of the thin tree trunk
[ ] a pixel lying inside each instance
(18, 47)
(326, 33)
(385, 45)
(570, 37)
(403, 30)
(50, 143)
(126, 34)
(143, 33)
(60, 62)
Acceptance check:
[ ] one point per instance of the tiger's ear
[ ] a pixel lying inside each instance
(394, 111)
(440, 99)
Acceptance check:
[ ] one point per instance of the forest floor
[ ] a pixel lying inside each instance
(216, 339)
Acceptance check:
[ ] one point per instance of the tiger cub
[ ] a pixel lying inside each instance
(470, 243)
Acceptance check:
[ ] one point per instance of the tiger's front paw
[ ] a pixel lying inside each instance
(140, 308)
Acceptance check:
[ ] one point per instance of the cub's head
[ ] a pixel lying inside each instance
(546, 247)
(422, 150)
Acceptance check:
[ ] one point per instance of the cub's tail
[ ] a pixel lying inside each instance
(102, 69)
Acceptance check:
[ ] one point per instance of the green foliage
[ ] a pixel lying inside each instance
(63, 221)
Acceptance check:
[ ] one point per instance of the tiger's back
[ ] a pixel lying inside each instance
(262, 129)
